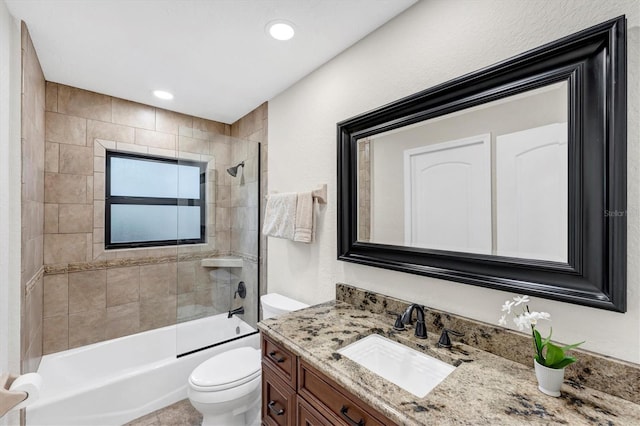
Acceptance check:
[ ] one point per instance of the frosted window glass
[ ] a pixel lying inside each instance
(138, 223)
(132, 177)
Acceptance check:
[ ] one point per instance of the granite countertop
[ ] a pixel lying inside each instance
(484, 389)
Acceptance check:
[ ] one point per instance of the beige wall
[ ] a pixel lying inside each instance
(33, 99)
(10, 190)
(91, 294)
(432, 42)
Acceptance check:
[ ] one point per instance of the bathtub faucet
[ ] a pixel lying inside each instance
(236, 311)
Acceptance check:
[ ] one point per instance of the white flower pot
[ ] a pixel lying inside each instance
(549, 379)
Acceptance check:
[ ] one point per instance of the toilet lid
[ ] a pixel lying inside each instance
(228, 369)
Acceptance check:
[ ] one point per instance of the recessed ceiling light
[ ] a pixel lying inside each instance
(162, 94)
(280, 30)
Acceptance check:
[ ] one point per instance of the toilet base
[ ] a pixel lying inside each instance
(247, 418)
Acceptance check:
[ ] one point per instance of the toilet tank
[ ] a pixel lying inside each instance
(274, 304)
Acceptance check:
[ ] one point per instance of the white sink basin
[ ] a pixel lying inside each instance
(413, 371)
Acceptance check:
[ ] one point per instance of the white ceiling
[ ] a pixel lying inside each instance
(213, 55)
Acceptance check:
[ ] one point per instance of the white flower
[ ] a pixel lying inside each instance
(533, 317)
(507, 306)
(521, 299)
(521, 322)
(502, 321)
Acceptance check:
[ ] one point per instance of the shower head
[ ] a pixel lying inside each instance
(233, 171)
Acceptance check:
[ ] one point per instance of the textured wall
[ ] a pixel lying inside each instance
(10, 190)
(432, 42)
(33, 98)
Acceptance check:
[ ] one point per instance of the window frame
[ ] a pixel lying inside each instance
(110, 200)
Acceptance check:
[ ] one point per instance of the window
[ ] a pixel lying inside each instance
(153, 201)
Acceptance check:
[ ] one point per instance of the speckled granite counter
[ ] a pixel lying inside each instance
(485, 389)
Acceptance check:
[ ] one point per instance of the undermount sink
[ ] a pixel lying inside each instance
(413, 371)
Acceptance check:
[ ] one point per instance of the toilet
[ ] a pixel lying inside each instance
(226, 388)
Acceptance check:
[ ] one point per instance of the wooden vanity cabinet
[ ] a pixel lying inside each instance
(295, 393)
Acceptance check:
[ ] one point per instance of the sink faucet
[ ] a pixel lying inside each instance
(236, 311)
(421, 329)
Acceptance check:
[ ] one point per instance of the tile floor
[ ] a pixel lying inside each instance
(181, 413)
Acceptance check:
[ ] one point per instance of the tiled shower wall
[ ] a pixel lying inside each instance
(91, 294)
(251, 128)
(33, 116)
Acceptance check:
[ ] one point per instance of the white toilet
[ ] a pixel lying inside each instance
(226, 388)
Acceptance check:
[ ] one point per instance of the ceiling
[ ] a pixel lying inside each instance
(213, 55)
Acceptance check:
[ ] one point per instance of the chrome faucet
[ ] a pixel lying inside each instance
(421, 328)
(236, 311)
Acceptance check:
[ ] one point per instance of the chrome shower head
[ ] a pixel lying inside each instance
(233, 171)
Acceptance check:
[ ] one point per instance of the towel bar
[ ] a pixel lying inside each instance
(319, 194)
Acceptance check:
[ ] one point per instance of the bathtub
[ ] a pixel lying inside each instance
(116, 381)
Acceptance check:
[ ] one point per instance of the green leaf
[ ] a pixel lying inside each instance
(575, 345)
(563, 363)
(537, 342)
(555, 354)
(548, 339)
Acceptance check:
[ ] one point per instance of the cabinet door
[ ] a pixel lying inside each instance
(278, 400)
(308, 416)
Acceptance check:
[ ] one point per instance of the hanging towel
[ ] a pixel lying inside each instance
(280, 215)
(304, 229)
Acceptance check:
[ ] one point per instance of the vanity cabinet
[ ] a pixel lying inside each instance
(295, 393)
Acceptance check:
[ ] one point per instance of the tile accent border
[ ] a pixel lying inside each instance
(606, 374)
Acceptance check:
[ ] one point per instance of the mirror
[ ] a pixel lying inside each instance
(505, 178)
(489, 179)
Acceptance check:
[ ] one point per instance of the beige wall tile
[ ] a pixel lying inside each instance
(128, 147)
(50, 218)
(122, 285)
(158, 312)
(108, 131)
(133, 114)
(198, 146)
(156, 280)
(87, 291)
(62, 188)
(74, 218)
(98, 235)
(76, 160)
(170, 122)
(51, 157)
(98, 186)
(214, 127)
(87, 327)
(99, 164)
(155, 139)
(90, 189)
(64, 248)
(123, 320)
(56, 295)
(167, 153)
(186, 276)
(55, 335)
(65, 129)
(82, 103)
(51, 97)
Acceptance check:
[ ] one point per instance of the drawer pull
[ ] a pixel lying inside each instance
(344, 411)
(274, 410)
(273, 356)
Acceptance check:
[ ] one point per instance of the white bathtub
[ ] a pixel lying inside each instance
(116, 381)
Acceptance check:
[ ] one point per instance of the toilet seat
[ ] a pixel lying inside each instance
(214, 375)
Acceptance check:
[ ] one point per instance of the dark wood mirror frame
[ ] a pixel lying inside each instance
(593, 62)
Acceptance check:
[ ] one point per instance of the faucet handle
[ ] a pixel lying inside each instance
(399, 325)
(445, 341)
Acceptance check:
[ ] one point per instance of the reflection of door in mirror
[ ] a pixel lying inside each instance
(447, 206)
(448, 195)
(531, 193)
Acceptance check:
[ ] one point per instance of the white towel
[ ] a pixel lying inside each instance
(304, 218)
(280, 215)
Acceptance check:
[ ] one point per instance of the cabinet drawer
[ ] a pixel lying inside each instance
(278, 400)
(308, 416)
(280, 359)
(345, 409)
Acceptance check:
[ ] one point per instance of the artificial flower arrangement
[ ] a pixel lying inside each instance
(554, 356)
